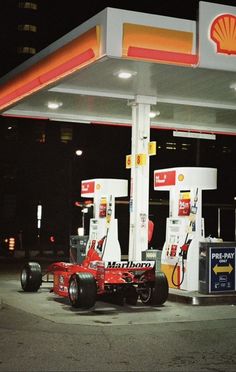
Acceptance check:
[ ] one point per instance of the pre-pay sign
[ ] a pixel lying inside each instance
(222, 269)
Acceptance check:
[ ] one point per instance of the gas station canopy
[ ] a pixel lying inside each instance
(189, 67)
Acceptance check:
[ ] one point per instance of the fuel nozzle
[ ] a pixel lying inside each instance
(100, 244)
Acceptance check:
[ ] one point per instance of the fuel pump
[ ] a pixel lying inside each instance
(184, 248)
(185, 225)
(103, 230)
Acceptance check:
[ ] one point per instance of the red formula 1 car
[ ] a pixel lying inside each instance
(94, 279)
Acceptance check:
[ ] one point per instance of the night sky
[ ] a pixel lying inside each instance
(56, 18)
(62, 19)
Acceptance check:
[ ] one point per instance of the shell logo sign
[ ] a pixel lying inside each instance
(217, 36)
(223, 33)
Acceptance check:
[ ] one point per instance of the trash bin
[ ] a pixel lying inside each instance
(78, 248)
(153, 255)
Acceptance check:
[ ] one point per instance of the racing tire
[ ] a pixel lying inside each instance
(82, 290)
(31, 277)
(156, 293)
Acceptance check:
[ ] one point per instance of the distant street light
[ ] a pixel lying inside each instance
(78, 152)
(39, 219)
(71, 164)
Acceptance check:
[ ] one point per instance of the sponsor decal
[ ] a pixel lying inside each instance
(56, 280)
(61, 279)
(62, 288)
(129, 264)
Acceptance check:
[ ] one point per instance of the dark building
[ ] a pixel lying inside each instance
(37, 161)
(19, 35)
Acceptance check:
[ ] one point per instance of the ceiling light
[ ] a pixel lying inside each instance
(54, 105)
(122, 74)
(153, 114)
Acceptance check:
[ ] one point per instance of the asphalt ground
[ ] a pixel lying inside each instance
(42, 332)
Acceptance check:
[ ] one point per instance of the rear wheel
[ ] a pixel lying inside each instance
(154, 293)
(82, 290)
(31, 277)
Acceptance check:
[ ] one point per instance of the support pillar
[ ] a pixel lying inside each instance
(139, 182)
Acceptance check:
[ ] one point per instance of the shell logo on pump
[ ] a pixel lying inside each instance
(223, 33)
(180, 177)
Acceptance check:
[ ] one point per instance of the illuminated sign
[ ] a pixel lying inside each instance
(128, 161)
(87, 187)
(223, 33)
(217, 36)
(164, 178)
(140, 159)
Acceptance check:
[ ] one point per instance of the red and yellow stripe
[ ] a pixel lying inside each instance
(158, 45)
(64, 61)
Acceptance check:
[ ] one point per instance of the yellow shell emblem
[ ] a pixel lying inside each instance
(223, 33)
(180, 177)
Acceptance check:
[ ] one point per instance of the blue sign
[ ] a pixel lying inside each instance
(222, 269)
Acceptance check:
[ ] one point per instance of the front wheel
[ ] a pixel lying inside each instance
(31, 277)
(154, 293)
(82, 290)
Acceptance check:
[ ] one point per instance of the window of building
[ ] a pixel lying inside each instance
(26, 50)
(170, 145)
(40, 135)
(66, 133)
(226, 150)
(185, 146)
(28, 5)
(30, 28)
